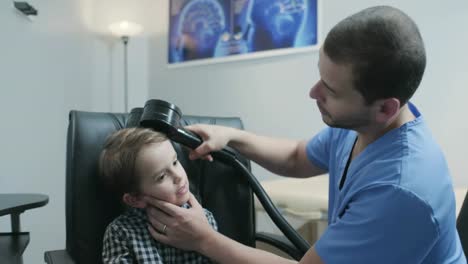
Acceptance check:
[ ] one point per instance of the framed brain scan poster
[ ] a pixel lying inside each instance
(208, 31)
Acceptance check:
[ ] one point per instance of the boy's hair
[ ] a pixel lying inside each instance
(385, 50)
(118, 158)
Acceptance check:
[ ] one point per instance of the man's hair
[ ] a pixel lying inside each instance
(118, 158)
(385, 50)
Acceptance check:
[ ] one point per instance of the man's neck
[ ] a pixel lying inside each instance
(371, 134)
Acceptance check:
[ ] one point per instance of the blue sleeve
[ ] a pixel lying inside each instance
(318, 149)
(381, 224)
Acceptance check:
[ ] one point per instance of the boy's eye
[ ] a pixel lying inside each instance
(175, 162)
(160, 177)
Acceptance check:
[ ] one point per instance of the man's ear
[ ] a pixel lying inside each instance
(388, 109)
(134, 200)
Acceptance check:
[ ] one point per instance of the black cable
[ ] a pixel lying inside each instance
(302, 245)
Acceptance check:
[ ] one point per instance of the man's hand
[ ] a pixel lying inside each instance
(185, 228)
(214, 138)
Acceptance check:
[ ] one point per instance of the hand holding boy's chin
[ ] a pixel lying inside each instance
(184, 228)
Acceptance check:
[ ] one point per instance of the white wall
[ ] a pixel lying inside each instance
(44, 69)
(271, 95)
(62, 60)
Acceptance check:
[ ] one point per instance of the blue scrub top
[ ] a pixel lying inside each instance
(397, 204)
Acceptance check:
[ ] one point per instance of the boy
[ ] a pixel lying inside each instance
(135, 163)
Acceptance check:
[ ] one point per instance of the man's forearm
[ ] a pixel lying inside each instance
(276, 155)
(281, 156)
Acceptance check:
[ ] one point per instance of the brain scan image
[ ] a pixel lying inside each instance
(200, 26)
(277, 22)
(202, 29)
(234, 39)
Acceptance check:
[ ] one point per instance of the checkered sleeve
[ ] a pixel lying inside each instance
(115, 249)
(211, 219)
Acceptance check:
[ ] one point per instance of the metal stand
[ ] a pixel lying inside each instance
(125, 42)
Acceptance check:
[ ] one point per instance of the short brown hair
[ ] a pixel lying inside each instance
(386, 51)
(118, 157)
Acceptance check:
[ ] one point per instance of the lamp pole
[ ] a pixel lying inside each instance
(125, 42)
(124, 30)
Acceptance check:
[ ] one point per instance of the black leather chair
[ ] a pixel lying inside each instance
(462, 225)
(89, 209)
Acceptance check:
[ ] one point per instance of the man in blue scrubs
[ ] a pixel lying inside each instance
(391, 197)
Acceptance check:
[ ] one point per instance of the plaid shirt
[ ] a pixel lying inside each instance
(127, 240)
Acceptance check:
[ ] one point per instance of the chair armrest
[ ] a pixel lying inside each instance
(280, 242)
(58, 257)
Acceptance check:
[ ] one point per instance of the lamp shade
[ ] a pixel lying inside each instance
(125, 29)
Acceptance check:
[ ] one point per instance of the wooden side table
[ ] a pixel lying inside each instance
(13, 244)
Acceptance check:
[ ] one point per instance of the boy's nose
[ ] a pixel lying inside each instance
(177, 178)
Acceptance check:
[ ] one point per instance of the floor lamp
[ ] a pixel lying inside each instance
(124, 30)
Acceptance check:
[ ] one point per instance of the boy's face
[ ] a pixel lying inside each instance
(161, 174)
